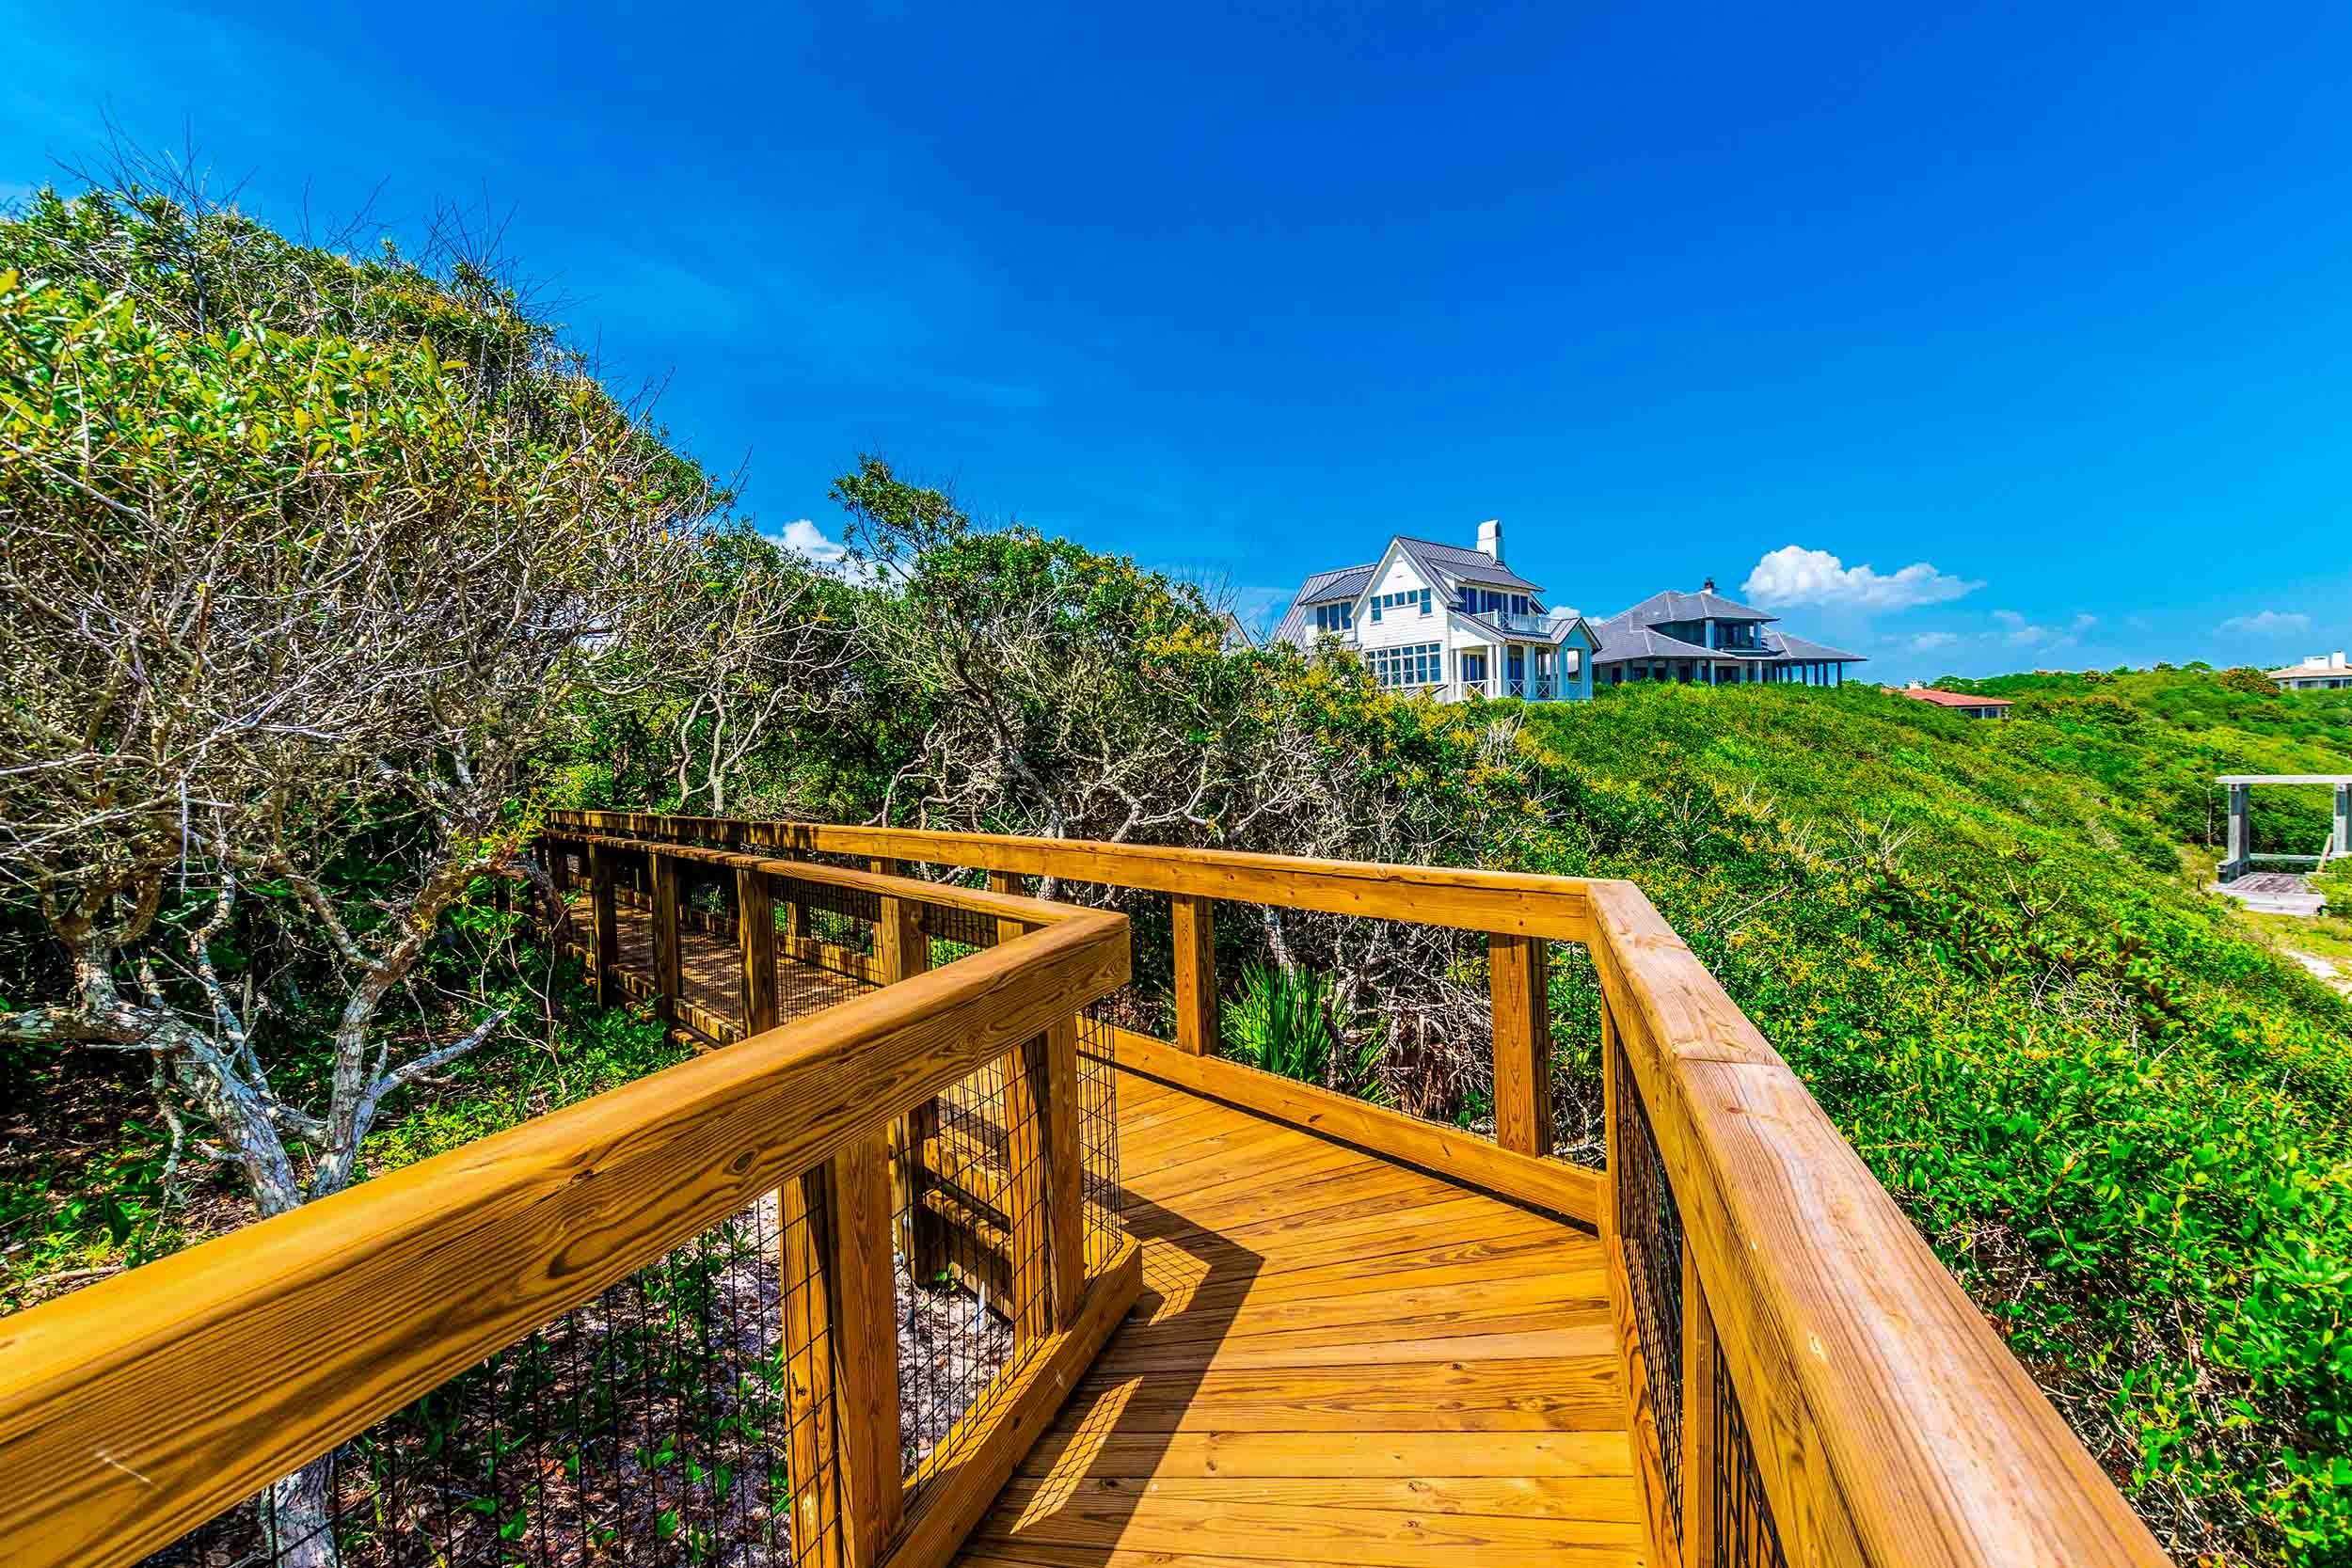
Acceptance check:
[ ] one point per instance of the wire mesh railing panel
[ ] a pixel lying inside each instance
(1146, 1003)
(1649, 1232)
(965, 1183)
(952, 932)
(1579, 1108)
(1391, 1011)
(651, 1425)
(826, 941)
(1745, 1535)
(1098, 1141)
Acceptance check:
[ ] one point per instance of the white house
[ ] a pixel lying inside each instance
(2316, 673)
(1450, 622)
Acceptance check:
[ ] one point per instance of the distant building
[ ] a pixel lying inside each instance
(1450, 622)
(1958, 702)
(1707, 639)
(2316, 674)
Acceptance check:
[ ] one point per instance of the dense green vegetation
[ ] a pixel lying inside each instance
(2122, 1122)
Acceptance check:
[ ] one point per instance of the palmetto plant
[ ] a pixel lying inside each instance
(1281, 1022)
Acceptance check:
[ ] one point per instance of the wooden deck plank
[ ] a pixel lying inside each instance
(1490, 1497)
(1336, 1358)
(999, 1553)
(1243, 1456)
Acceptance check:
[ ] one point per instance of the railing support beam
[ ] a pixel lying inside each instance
(864, 1349)
(1009, 884)
(667, 984)
(605, 926)
(756, 941)
(1195, 922)
(1519, 984)
(1702, 1461)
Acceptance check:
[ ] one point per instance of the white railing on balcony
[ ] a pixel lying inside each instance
(1504, 620)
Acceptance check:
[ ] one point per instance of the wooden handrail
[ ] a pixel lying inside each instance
(1464, 899)
(1892, 1425)
(1888, 1422)
(141, 1406)
(1005, 905)
(1520, 912)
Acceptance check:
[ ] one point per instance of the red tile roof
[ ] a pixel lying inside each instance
(1951, 699)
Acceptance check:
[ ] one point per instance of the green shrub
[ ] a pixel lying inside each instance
(1281, 1022)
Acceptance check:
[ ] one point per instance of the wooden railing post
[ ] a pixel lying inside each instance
(667, 984)
(792, 928)
(605, 926)
(805, 1263)
(1009, 884)
(756, 941)
(898, 940)
(1518, 983)
(1195, 922)
(1702, 1465)
(842, 1355)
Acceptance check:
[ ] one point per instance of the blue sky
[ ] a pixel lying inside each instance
(2043, 315)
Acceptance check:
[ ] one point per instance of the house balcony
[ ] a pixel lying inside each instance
(958, 1239)
(1518, 625)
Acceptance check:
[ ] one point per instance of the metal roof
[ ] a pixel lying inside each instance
(1322, 588)
(1798, 647)
(1625, 639)
(1452, 561)
(1674, 605)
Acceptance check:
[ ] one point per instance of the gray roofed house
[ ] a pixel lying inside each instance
(1448, 621)
(1706, 639)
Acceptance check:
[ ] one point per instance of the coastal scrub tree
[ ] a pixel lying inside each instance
(303, 555)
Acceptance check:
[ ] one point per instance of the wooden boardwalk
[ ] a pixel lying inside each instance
(712, 970)
(1336, 1360)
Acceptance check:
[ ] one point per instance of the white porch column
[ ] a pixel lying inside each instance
(2233, 862)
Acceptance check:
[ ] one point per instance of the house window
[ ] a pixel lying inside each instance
(1409, 599)
(1571, 663)
(1415, 664)
(1335, 617)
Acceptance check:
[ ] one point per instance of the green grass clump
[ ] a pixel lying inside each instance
(1280, 1020)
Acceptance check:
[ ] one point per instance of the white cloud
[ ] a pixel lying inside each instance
(1928, 642)
(2018, 632)
(803, 537)
(1793, 575)
(2271, 623)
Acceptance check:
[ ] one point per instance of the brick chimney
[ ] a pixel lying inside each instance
(1491, 540)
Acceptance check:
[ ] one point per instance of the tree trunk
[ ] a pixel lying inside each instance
(298, 1519)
